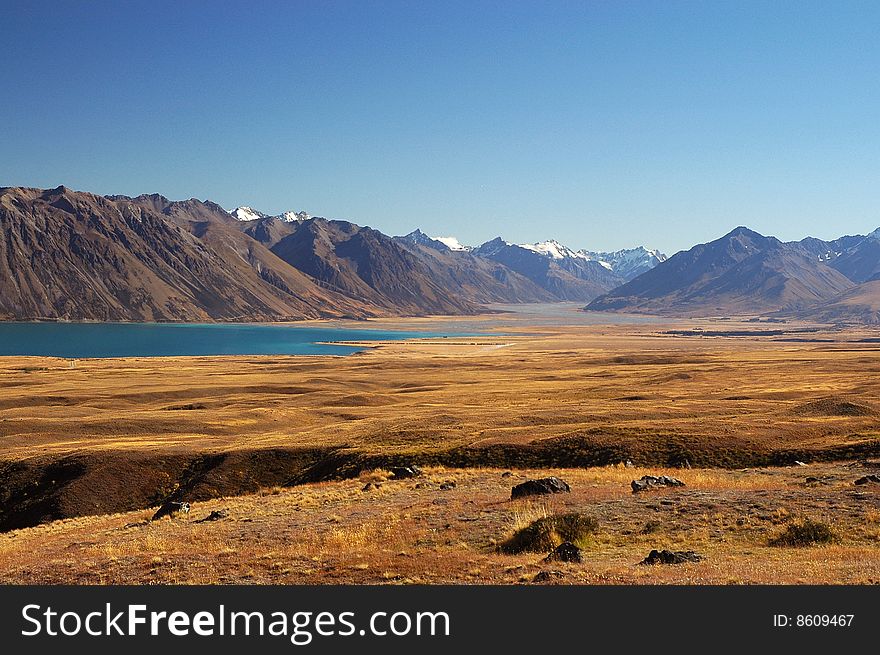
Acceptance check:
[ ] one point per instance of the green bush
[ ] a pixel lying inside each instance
(547, 533)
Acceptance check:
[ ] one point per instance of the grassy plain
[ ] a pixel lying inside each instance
(283, 444)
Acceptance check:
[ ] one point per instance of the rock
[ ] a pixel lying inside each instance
(649, 482)
(868, 478)
(547, 576)
(136, 524)
(628, 464)
(448, 485)
(171, 508)
(671, 557)
(422, 485)
(799, 463)
(215, 515)
(506, 474)
(370, 486)
(551, 485)
(405, 472)
(565, 552)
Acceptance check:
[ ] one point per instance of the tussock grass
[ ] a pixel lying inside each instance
(545, 534)
(806, 532)
(374, 476)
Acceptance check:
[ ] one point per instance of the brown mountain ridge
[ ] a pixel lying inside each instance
(74, 255)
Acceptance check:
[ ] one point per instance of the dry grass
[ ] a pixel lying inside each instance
(623, 386)
(333, 532)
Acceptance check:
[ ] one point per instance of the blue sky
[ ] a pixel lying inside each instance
(601, 124)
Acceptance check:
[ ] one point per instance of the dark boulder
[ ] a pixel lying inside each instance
(405, 472)
(547, 576)
(449, 485)
(650, 482)
(215, 515)
(671, 557)
(565, 552)
(868, 478)
(551, 485)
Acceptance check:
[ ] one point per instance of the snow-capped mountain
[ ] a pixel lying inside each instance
(629, 262)
(437, 243)
(245, 213)
(453, 244)
(552, 249)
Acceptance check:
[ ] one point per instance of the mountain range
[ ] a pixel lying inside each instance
(744, 272)
(74, 255)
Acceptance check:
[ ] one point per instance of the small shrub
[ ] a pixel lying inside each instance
(804, 533)
(545, 534)
(651, 527)
(374, 476)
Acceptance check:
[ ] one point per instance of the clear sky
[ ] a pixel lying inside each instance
(602, 124)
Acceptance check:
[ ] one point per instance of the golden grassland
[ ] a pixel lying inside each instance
(538, 398)
(617, 383)
(409, 531)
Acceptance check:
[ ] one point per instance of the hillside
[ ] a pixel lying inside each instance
(78, 256)
(742, 272)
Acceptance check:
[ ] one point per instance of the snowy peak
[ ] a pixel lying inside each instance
(437, 243)
(875, 234)
(245, 213)
(552, 249)
(293, 217)
(420, 238)
(453, 244)
(629, 262)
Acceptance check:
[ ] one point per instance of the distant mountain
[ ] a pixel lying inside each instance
(628, 263)
(858, 257)
(566, 274)
(403, 274)
(742, 272)
(553, 267)
(419, 238)
(245, 213)
(453, 244)
(437, 243)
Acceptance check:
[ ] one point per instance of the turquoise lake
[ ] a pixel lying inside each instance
(82, 340)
